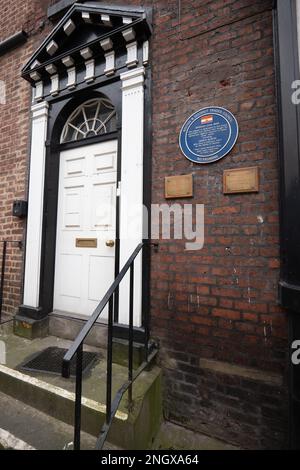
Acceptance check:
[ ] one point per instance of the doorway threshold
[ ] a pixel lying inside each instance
(75, 316)
(68, 325)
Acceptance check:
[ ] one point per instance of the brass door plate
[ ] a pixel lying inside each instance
(241, 180)
(178, 186)
(86, 242)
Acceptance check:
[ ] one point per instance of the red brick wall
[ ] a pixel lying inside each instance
(219, 303)
(225, 296)
(14, 133)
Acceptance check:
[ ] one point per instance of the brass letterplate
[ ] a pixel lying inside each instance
(86, 242)
(241, 180)
(178, 186)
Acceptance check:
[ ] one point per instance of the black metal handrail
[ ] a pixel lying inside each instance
(3, 266)
(77, 348)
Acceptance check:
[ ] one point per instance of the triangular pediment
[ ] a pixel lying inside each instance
(85, 34)
(86, 27)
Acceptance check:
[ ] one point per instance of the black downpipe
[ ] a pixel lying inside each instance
(287, 71)
(2, 275)
(12, 42)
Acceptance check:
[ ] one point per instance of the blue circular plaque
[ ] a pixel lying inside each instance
(208, 135)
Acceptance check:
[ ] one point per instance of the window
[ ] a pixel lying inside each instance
(94, 117)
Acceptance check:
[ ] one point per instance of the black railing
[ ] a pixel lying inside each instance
(77, 348)
(3, 266)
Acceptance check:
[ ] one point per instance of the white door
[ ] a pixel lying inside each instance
(86, 227)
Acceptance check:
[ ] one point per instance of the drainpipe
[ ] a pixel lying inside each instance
(287, 70)
(12, 42)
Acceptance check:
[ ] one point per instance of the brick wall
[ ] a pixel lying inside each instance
(223, 337)
(220, 303)
(14, 133)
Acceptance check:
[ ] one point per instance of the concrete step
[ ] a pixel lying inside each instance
(55, 396)
(22, 427)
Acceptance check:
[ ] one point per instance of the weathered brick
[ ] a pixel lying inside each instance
(212, 304)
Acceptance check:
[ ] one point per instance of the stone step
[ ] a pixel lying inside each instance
(55, 396)
(23, 427)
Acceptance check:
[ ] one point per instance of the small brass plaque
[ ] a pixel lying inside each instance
(241, 180)
(86, 242)
(179, 186)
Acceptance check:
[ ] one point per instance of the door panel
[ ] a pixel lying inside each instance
(73, 206)
(86, 220)
(71, 285)
(98, 265)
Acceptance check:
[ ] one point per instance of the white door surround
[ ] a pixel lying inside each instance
(131, 203)
(35, 205)
(86, 227)
(130, 192)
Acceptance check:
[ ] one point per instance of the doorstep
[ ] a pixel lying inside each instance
(54, 395)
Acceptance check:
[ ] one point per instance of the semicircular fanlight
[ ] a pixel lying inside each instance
(92, 118)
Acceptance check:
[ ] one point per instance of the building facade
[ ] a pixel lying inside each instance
(94, 95)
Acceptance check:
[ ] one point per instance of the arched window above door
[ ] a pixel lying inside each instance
(94, 117)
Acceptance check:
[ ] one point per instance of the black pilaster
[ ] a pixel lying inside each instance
(287, 65)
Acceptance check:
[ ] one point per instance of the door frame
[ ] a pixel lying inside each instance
(59, 110)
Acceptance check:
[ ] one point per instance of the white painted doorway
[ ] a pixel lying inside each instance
(86, 227)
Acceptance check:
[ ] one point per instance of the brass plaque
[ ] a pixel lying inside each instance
(86, 242)
(179, 186)
(241, 180)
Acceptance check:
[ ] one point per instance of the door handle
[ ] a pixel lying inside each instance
(110, 243)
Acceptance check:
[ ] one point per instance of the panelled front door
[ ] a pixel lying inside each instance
(86, 227)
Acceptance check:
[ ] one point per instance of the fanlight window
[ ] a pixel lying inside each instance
(94, 117)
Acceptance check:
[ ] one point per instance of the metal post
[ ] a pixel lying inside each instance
(2, 275)
(77, 425)
(130, 351)
(116, 305)
(146, 251)
(109, 359)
